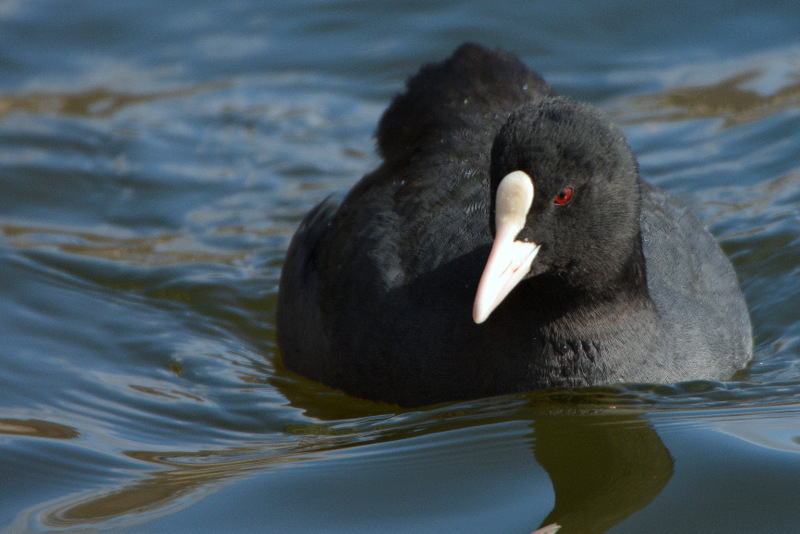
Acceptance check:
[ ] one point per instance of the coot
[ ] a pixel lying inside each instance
(506, 243)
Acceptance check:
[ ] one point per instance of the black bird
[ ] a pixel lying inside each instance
(506, 243)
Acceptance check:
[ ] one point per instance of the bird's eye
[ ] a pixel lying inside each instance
(564, 196)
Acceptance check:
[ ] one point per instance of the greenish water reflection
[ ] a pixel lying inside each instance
(604, 465)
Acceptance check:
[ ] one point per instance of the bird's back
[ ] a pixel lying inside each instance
(365, 282)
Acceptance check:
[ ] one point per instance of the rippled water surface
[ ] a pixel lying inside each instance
(155, 159)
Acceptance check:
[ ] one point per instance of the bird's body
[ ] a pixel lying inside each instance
(376, 295)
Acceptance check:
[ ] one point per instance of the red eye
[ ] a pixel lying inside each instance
(564, 196)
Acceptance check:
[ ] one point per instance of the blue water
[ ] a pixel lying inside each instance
(155, 159)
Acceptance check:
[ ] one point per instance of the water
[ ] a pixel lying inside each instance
(155, 160)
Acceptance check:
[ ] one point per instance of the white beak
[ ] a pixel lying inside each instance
(510, 260)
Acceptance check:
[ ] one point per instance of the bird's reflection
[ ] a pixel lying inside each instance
(604, 464)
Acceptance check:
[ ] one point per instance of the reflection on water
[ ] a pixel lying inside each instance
(37, 428)
(187, 476)
(96, 102)
(162, 249)
(604, 464)
(604, 467)
(728, 99)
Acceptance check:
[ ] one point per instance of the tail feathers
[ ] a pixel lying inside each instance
(301, 333)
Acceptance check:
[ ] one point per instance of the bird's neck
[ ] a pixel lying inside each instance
(557, 295)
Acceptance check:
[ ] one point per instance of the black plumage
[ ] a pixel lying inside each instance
(376, 295)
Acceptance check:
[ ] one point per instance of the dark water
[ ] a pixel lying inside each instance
(155, 159)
